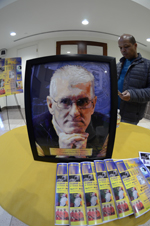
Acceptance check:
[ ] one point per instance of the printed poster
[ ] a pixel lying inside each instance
(10, 76)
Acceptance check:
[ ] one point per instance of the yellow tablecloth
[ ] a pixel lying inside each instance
(27, 187)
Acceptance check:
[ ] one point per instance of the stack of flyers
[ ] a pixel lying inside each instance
(61, 195)
(76, 196)
(106, 195)
(121, 198)
(136, 185)
(93, 207)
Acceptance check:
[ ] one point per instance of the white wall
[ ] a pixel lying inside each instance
(47, 47)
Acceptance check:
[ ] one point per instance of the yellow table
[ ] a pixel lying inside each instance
(27, 187)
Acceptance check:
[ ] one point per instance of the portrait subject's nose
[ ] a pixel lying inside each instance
(74, 111)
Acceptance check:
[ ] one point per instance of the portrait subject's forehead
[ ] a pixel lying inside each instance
(70, 75)
(74, 72)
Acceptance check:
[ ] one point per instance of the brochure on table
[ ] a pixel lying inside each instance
(92, 193)
(136, 184)
(121, 198)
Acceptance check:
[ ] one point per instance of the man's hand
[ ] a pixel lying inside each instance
(75, 140)
(124, 95)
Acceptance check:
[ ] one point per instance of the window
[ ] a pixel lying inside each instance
(81, 47)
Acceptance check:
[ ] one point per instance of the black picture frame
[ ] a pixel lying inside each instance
(111, 61)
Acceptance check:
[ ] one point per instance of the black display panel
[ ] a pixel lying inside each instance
(71, 107)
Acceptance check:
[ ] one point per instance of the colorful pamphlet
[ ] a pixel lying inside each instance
(92, 199)
(145, 171)
(76, 195)
(136, 185)
(61, 195)
(145, 158)
(105, 191)
(121, 198)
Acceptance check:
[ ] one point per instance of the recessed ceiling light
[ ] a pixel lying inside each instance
(12, 33)
(148, 39)
(85, 22)
(68, 52)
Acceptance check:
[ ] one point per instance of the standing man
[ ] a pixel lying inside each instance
(80, 215)
(112, 210)
(133, 73)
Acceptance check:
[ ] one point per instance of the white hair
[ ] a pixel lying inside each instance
(74, 74)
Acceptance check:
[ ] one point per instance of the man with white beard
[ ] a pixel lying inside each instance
(63, 200)
(93, 199)
(121, 193)
(77, 200)
(108, 196)
(135, 195)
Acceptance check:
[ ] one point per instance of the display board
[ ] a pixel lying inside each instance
(10, 76)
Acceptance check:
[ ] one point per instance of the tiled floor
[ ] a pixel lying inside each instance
(16, 120)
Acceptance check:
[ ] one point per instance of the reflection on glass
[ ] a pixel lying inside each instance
(1, 124)
(95, 50)
(69, 49)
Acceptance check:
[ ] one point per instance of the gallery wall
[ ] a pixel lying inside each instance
(47, 47)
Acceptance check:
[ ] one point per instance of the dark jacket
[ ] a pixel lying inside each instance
(137, 82)
(46, 137)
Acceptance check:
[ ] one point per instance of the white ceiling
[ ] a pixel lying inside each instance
(40, 19)
(145, 3)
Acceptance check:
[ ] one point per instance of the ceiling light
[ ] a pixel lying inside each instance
(148, 39)
(68, 52)
(12, 33)
(85, 22)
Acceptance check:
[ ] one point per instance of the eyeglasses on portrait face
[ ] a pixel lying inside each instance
(81, 103)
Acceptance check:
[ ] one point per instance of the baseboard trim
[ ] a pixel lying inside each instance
(10, 107)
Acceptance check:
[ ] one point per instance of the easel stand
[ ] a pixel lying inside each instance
(19, 110)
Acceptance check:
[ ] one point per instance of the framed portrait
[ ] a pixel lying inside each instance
(71, 107)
